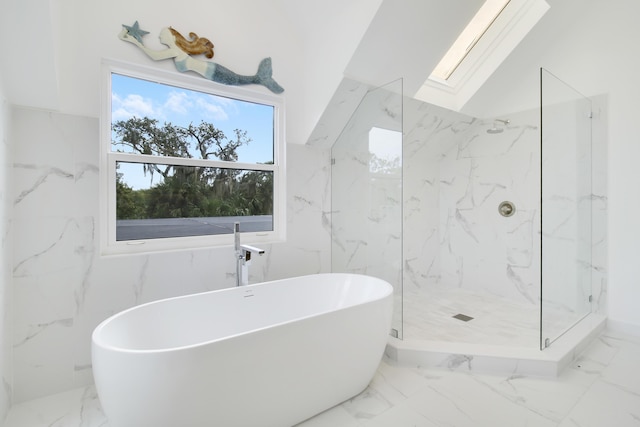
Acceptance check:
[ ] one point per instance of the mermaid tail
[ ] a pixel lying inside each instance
(264, 76)
(220, 74)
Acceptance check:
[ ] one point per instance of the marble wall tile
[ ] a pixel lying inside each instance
(600, 203)
(367, 199)
(430, 131)
(340, 108)
(64, 288)
(456, 175)
(307, 249)
(568, 196)
(53, 246)
(366, 193)
(482, 250)
(5, 259)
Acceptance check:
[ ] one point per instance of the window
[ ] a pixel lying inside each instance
(183, 159)
(488, 40)
(469, 37)
(385, 149)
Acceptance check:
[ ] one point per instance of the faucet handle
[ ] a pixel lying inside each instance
(253, 249)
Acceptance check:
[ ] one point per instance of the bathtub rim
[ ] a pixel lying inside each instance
(97, 342)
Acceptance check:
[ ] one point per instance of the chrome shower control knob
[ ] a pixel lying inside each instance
(507, 209)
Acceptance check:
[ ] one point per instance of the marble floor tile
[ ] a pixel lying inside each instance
(605, 404)
(401, 415)
(76, 408)
(336, 417)
(471, 406)
(623, 371)
(600, 388)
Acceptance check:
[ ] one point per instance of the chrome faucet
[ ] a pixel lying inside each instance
(243, 257)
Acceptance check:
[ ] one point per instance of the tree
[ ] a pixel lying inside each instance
(129, 203)
(143, 136)
(190, 191)
(257, 188)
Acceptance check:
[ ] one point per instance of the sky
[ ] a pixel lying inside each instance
(134, 97)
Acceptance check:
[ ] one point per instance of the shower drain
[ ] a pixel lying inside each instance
(463, 317)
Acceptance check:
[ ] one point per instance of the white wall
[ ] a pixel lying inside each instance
(593, 50)
(30, 78)
(242, 31)
(310, 45)
(326, 51)
(5, 257)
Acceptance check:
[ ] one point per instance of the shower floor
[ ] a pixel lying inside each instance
(502, 336)
(429, 315)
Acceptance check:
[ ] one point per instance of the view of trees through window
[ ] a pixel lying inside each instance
(181, 176)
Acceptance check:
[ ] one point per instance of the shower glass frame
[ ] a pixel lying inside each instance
(367, 193)
(566, 207)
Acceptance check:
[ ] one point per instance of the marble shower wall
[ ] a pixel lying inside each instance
(456, 175)
(366, 192)
(367, 189)
(480, 249)
(574, 197)
(62, 286)
(429, 133)
(5, 259)
(599, 206)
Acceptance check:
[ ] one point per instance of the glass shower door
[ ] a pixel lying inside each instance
(565, 120)
(366, 193)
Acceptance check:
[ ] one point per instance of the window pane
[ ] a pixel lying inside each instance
(161, 200)
(469, 37)
(158, 119)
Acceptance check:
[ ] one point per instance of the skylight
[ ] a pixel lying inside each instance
(503, 25)
(472, 33)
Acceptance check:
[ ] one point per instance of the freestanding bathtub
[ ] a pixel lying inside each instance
(265, 355)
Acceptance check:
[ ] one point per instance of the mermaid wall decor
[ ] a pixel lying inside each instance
(181, 49)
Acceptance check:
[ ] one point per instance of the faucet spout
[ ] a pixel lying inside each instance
(248, 250)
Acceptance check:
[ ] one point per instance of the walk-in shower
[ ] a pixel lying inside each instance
(490, 229)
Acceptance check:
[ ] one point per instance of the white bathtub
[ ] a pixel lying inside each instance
(265, 355)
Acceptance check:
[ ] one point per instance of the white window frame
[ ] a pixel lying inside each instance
(108, 159)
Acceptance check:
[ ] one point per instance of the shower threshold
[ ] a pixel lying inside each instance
(486, 358)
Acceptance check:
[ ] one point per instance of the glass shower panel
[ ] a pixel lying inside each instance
(366, 192)
(566, 207)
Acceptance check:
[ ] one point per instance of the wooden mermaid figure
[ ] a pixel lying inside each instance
(180, 49)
